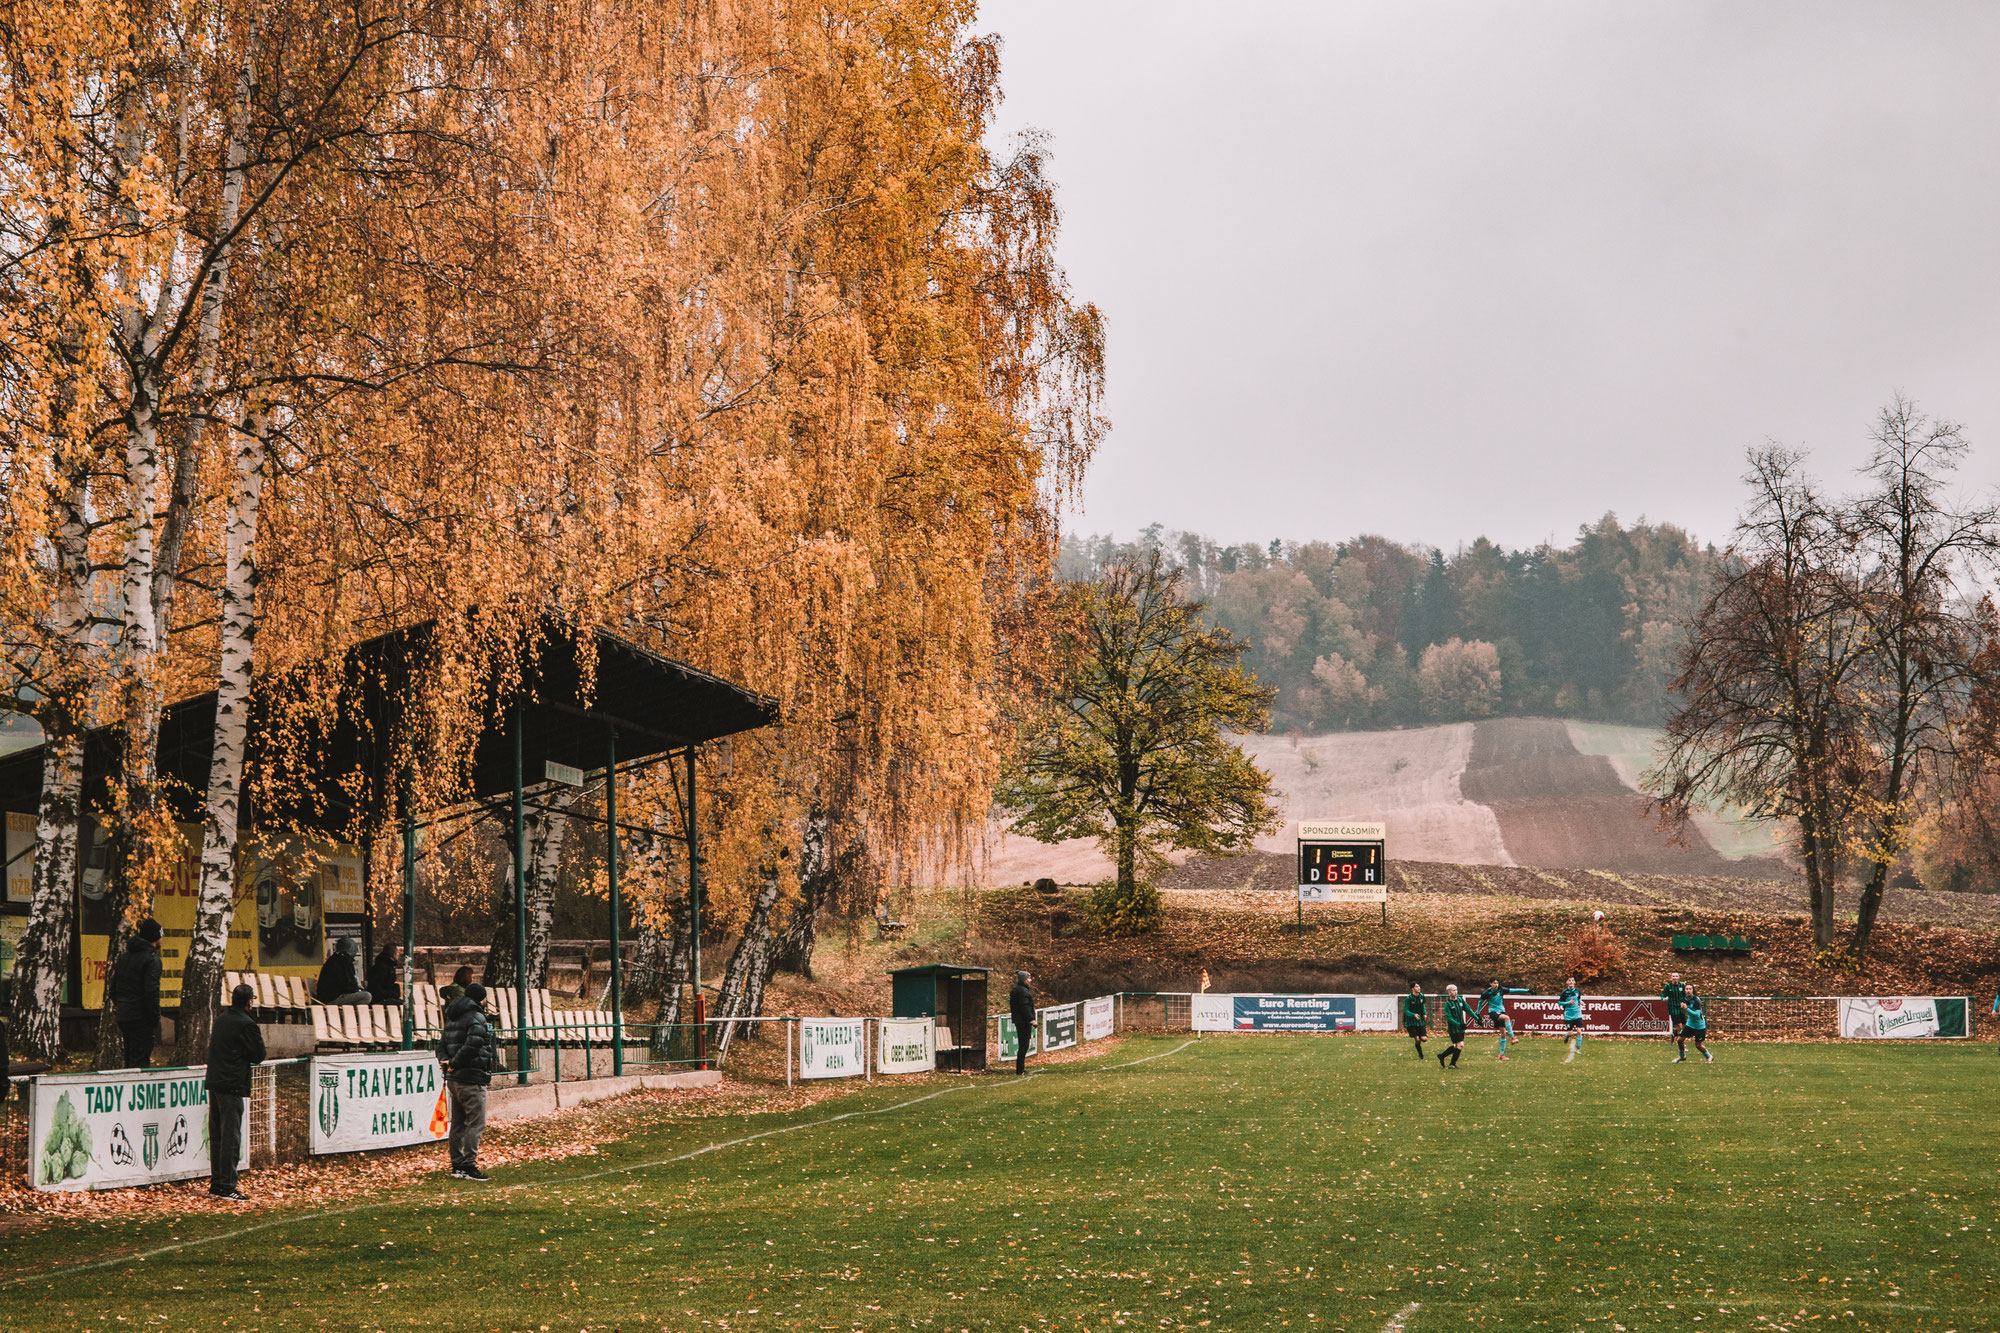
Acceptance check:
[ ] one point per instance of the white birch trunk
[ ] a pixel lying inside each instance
(201, 980)
(43, 960)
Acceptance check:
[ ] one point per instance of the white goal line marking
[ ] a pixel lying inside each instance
(142, 1256)
(1400, 1322)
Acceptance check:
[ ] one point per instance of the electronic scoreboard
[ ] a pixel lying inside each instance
(1343, 862)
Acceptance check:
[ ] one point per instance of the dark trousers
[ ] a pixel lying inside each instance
(140, 1038)
(1023, 1034)
(225, 1140)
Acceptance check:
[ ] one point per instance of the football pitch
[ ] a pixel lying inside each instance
(1163, 1183)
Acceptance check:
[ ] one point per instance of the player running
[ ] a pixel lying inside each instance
(1457, 1017)
(1493, 1007)
(1695, 1028)
(1675, 994)
(1416, 1015)
(1572, 1003)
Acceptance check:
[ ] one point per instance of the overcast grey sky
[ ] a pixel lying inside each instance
(1437, 270)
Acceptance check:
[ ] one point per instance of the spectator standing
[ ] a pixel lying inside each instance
(235, 1048)
(468, 1051)
(338, 983)
(135, 994)
(385, 976)
(1021, 1008)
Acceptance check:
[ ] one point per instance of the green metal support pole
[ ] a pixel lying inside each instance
(409, 919)
(694, 911)
(617, 909)
(520, 906)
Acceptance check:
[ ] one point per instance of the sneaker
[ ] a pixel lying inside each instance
(1709, 1056)
(1678, 1060)
(1502, 1057)
(234, 1196)
(470, 1173)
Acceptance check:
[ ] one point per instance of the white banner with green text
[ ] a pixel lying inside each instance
(1895, 1017)
(377, 1099)
(121, 1127)
(833, 1047)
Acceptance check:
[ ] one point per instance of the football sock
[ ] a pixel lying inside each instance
(1504, 1034)
(1454, 1056)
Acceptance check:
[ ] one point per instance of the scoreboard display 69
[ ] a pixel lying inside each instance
(1343, 862)
(1340, 863)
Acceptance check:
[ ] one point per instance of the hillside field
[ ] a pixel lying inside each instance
(1507, 792)
(1162, 1183)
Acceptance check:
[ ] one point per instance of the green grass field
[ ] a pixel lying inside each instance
(1229, 1183)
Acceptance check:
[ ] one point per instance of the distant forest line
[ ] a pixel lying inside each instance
(1370, 633)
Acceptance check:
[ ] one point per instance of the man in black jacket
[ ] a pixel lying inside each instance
(468, 1051)
(337, 982)
(385, 976)
(135, 994)
(1021, 1008)
(234, 1049)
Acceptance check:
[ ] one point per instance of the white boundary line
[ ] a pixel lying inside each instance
(142, 1256)
(1401, 1320)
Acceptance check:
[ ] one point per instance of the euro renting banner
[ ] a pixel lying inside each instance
(1010, 1042)
(120, 1128)
(1886, 1017)
(1603, 1015)
(833, 1048)
(377, 1099)
(1292, 1013)
(903, 1046)
(1098, 1017)
(1061, 1027)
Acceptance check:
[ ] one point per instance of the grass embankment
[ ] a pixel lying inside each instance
(1241, 1182)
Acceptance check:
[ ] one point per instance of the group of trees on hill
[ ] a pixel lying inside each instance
(1368, 632)
(719, 326)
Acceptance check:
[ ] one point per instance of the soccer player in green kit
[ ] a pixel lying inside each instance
(1675, 994)
(1493, 1005)
(1417, 1015)
(1695, 1028)
(1457, 1017)
(1571, 1000)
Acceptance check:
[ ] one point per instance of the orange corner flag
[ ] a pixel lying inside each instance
(441, 1117)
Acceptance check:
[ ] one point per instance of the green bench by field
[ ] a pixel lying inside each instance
(1711, 944)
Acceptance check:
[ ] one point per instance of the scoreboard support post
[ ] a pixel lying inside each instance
(1342, 861)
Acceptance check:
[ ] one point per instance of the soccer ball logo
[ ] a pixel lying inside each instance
(177, 1142)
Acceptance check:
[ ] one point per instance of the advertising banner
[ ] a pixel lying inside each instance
(903, 1046)
(19, 849)
(1292, 1013)
(833, 1048)
(1097, 1018)
(1061, 1027)
(1009, 1042)
(1603, 1015)
(1211, 1013)
(123, 1127)
(377, 1099)
(1375, 1013)
(1886, 1017)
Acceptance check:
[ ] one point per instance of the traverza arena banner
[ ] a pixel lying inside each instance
(377, 1099)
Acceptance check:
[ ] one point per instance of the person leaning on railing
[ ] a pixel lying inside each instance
(234, 1049)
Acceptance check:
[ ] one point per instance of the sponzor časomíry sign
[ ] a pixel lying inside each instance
(122, 1127)
(377, 1099)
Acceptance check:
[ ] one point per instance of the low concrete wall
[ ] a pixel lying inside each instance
(513, 1102)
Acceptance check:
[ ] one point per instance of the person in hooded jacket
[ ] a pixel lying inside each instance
(234, 1049)
(385, 976)
(338, 983)
(1021, 1008)
(135, 994)
(468, 1051)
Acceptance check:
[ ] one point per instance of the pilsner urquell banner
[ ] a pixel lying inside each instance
(122, 1127)
(1894, 1017)
(377, 1099)
(1603, 1015)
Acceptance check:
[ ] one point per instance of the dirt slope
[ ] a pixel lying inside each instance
(1561, 809)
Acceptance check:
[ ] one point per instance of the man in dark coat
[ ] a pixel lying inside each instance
(337, 982)
(1021, 1008)
(135, 994)
(468, 1051)
(234, 1049)
(385, 976)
